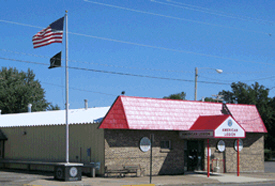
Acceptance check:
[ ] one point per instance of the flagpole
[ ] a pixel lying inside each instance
(67, 88)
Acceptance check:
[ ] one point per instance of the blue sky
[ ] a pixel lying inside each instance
(125, 38)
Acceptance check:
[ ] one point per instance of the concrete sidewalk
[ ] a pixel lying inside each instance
(188, 179)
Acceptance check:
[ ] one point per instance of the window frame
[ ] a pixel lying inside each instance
(164, 147)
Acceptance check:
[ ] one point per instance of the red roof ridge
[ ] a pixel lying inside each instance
(179, 100)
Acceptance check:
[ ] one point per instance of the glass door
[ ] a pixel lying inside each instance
(193, 155)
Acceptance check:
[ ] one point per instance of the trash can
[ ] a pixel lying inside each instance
(93, 167)
(68, 171)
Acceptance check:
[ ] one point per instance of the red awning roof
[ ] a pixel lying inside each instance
(222, 126)
(208, 122)
(166, 114)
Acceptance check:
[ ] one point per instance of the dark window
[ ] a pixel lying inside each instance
(165, 144)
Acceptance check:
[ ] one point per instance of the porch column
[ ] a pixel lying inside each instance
(238, 157)
(208, 159)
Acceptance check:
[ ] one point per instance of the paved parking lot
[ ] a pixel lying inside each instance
(16, 178)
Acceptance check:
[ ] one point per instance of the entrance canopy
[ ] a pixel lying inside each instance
(217, 126)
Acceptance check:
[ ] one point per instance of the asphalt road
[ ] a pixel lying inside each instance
(19, 178)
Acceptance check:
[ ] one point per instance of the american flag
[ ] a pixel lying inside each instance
(52, 34)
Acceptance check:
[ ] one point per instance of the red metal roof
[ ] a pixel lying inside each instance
(248, 117)
(166, 114)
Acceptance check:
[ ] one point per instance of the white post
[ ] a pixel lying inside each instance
(67, 89)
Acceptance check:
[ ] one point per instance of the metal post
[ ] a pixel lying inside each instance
(238, 157)
(67, 89)
(151, 157)
(208, 159)
(196, 83)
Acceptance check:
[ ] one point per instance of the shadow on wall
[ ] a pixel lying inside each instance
(172, 165)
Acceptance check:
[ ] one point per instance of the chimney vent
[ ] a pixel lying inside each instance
(29, 107)
(86, 104)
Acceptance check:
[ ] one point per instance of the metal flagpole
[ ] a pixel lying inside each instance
(67, 89)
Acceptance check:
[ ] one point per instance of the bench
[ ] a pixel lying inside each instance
(123, 170)
(131, 169)
(5, 162)
(114, 169)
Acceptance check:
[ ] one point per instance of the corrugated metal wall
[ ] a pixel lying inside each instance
(47, 143)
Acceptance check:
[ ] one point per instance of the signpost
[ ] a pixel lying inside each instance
(145, 145)
(151, 157)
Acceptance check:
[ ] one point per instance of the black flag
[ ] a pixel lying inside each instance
(55, 61)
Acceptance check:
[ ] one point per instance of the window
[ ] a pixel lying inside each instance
(165, 145)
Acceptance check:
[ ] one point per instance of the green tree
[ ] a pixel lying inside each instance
(18, 89)
(181, 96)
(256, 95)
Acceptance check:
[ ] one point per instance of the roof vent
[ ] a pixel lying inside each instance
(29, 107)
(85, 104)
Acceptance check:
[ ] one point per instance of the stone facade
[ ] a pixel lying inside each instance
(251, 156)
(122, 148)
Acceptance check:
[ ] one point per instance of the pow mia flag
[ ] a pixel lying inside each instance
(55, 61)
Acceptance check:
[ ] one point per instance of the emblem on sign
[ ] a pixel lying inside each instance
(230, 123)
(59, 173)
(73, 171)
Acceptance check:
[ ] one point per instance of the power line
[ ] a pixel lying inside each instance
(22, 24)
(209, 11)
(162, 48)
(170, 49)
(172, 17)
(258, 79)
(100, 64)
(72, 88)
(118, 73)
(138, 68)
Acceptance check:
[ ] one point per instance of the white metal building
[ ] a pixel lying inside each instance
(40, 136)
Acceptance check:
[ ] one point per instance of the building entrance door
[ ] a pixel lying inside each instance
(194, 155)
(1, 149)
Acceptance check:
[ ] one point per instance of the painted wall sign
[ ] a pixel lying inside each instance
(196, 134)
(145, 144)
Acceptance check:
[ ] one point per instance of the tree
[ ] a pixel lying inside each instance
(257, 95)
(18, 89)
(181, 96)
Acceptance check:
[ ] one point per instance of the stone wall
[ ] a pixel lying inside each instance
(251, 156)
(122, 148)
